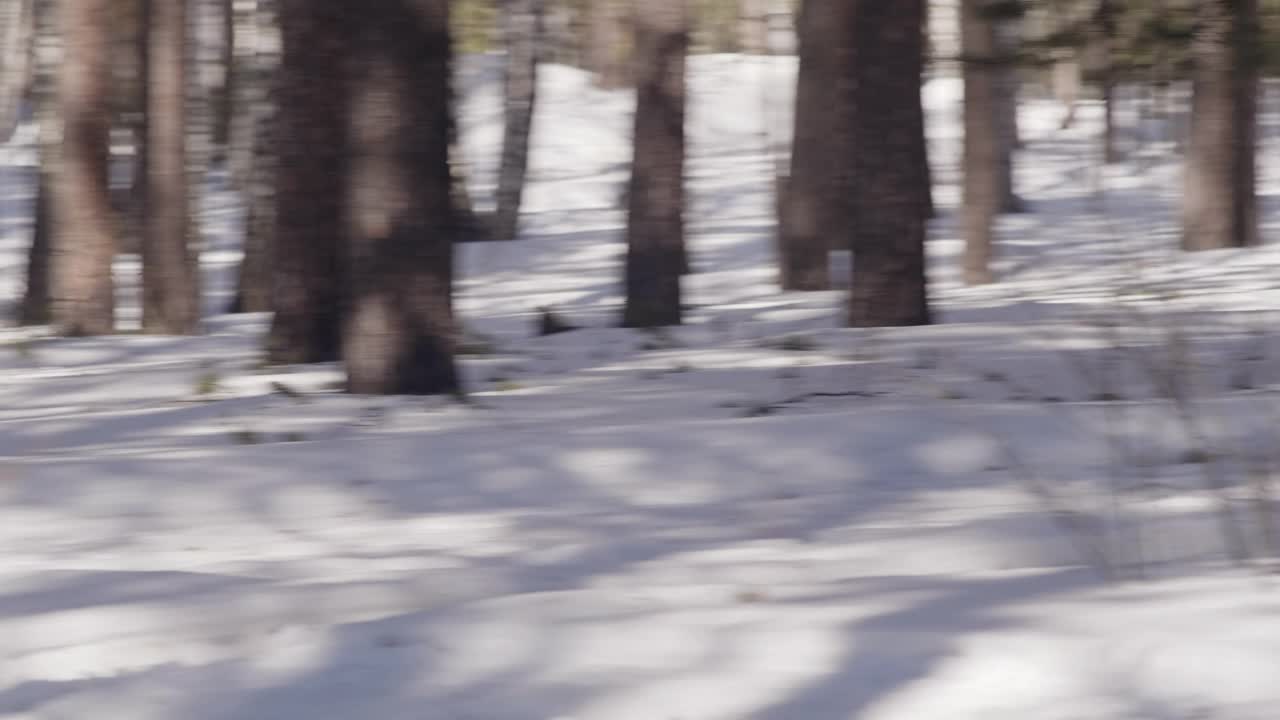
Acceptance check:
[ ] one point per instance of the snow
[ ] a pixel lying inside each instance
(757, 515)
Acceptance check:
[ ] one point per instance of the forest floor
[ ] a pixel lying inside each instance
(756, 515)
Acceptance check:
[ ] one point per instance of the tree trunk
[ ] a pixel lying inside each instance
(36, 305)
(253, 158)
(400, 333)
(814, 208)
(222, 101)
(1105, 30)
(83, 239)
(655, 217)
(920, 154)
(1066, 85)
(1220, 202)
(17, 18)
(889, 228)
(608, 52)
(170, 274)
(1008, 84)
(308, 292)
(982, 184)
(522, 30)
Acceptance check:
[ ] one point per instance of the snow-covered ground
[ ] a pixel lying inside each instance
(757, 515)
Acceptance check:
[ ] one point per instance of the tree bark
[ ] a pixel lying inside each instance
(814, 206)
(17, 26)
(83, 239)
(889, 217)
(223, 104)
(170, 266)
(1066, 85)
(253, 159)
(655, 216)
(1105, 30)
(982, 185)
(522, 31)
(310, 191)
(920, 155)
(1008, 84)
(35, 307)
(1220, 201)
(400, 332)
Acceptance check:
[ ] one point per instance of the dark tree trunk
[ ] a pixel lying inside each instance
(522, 32)
(814, 203)
(400, 333)
(607, 45)
(83, 241)
(36, 305)
(170, 275)
(253, 149)
(920, 155)
(982, 184)
(34, 309)
(1105, 29)
(310, 192)
(223, 103)
(889, 228)
(1220, 202)
(655, 216)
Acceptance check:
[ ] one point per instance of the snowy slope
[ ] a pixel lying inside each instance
(758, 515)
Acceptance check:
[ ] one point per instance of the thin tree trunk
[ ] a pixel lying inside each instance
(83, 239)
(36, 305)
(253, 148)
(1105, 24)
(1220, 201)
(982, 185)
(1066, 85)
(920, 155)
(16, 31)
(245, 91)
(889, 228)
(655, 217)
(813, 203)
(170, 277)
(400, 333)
(223, 110)
(310, 192)
(522, 30)
(1007, 86)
